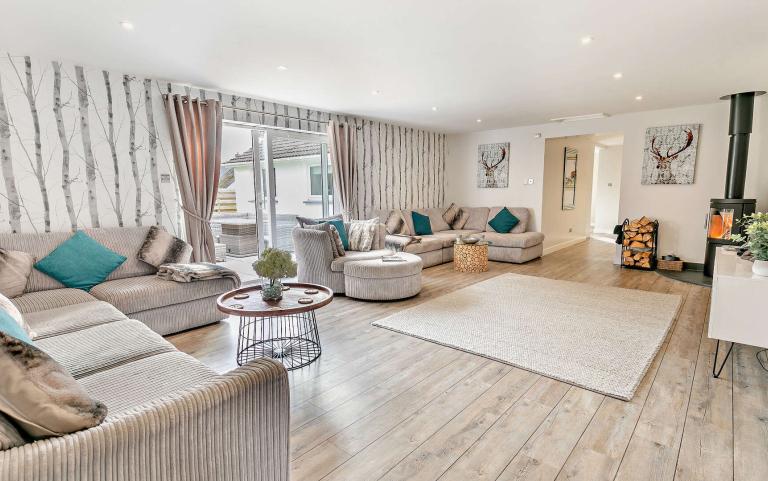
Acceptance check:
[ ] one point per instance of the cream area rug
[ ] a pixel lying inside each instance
(599, 338)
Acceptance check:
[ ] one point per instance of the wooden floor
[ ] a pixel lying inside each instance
(382, 405)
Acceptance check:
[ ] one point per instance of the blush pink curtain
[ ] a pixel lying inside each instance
(195, 128)
(342, 143)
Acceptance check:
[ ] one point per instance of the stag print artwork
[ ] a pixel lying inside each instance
(670, 154)
(493, 166)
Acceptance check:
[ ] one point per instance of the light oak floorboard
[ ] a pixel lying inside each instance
(382, 405)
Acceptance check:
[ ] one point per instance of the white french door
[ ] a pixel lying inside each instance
(269, 177)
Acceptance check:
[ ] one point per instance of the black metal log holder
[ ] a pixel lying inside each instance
(653, 250)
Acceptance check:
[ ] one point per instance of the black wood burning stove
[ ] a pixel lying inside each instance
(724, 214)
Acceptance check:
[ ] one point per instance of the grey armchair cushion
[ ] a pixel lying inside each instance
(337, 246)
(520, 212)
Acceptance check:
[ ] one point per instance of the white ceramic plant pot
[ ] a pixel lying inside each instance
(760, 268)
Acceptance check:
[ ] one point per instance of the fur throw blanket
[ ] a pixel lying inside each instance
(199, 271)
(399, 242)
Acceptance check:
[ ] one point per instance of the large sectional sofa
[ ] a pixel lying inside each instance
(317, 264)
(522, 244)
(169, 416)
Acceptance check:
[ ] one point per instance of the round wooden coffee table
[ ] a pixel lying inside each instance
(470, 257)
(285, 330)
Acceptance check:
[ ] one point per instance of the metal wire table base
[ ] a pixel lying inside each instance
(291, 339)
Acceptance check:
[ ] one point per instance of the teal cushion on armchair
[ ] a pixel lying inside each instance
(80, 262)
(504, 221)
(339, 225)
(421, 224)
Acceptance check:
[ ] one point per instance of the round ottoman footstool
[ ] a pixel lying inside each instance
(376, 280)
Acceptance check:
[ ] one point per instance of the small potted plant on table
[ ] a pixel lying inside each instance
(756, 230)
(273, 265)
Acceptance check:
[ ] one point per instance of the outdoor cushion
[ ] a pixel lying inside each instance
(80, 262)
(101, 347)
(44, 300)
(337, 265)
(144, 380)
(504, 221)
(61, 320)
(421, 224)
(478, 217)
(136, 294)
(526, 239)
(522, 214)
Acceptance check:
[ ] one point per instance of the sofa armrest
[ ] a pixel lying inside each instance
(233, 427)
(314, 254)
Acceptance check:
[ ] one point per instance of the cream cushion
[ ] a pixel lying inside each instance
(478, 218)
(15, 267)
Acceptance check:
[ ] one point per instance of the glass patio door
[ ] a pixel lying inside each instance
(297, 179)
(239, 210)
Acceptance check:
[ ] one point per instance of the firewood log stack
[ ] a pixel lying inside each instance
(638, 242)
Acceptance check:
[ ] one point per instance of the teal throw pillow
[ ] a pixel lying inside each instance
(80, 262)
(504, 221)
(339, 225)
(9, 326)
(421, 224)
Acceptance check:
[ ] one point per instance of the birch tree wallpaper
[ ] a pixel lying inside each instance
(82, 147)
(85, 147)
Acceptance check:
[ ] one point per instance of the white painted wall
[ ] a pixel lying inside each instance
(558, 225)
(606, 189)
(681, 209)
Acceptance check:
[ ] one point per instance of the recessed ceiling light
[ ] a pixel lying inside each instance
(434, 109)
(479, 120)
(586, 40)
(618, 75)
(639, 97)
(375, 92)
(282, 68)
(126, 25)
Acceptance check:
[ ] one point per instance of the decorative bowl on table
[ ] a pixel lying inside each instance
(471, 239)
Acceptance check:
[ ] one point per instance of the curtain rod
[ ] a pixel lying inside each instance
(241, 109)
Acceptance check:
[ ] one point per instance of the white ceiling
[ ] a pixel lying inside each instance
(507, 62)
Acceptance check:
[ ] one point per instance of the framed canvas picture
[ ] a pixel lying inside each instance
(570, 165)
(493, 166)
(670, 154)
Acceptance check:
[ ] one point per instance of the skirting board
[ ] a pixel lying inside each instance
(563, 245)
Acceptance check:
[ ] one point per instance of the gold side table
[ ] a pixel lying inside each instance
(470, 257)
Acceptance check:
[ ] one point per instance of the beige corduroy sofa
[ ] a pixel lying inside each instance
(169, 416)
(166, 307)
(520, 245)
